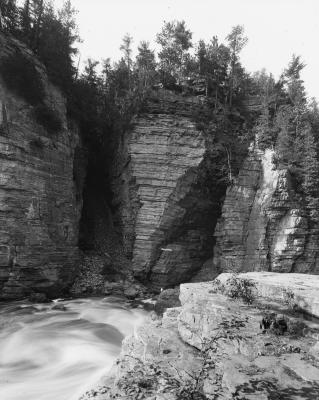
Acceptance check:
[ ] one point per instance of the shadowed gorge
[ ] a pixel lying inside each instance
(162, 208)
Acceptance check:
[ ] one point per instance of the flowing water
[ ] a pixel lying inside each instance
(56, 354)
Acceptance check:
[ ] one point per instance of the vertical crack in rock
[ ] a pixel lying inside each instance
(275, 235)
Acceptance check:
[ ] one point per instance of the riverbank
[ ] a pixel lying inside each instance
(217, 347)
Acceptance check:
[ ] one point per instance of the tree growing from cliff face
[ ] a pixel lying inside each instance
(296, 146)
(175, 40)
(9, 17)
(37, 9)
(25, 21)
(264, 87)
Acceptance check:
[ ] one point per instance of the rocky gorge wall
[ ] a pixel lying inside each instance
(166, 216)
(149, 213)
(40, 202)
(264, 224)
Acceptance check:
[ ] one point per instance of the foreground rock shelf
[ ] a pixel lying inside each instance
(214, 347)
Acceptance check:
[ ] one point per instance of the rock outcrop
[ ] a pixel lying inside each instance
(164, 211)
(40, 200)
(213, 347)
(264, 224)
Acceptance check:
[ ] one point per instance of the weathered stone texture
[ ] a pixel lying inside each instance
(156, 181)
(264, 224)
(39, 202)
(213, 347)
(303, 290)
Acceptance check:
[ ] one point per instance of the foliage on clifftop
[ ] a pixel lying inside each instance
(239, 107)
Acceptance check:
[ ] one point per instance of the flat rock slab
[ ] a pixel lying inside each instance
(250, 363)
(303, 287)
(212, 347)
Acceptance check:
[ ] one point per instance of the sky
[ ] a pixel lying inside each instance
(276, 29)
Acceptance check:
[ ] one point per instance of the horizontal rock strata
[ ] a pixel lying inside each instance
(161, 214)
(39, 202)
(264, 225)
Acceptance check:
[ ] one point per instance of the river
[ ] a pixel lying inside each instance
(56, 354)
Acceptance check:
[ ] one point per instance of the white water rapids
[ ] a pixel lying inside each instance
(48, 354)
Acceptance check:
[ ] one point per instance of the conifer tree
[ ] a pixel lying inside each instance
(175, 41)
(25, 22)
(145, 63)
(236, 42)
(126, 48)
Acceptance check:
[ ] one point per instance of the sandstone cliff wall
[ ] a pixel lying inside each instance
(39, 201)
(264, 224)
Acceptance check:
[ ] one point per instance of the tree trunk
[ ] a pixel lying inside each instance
(37, 26)
(230, 175)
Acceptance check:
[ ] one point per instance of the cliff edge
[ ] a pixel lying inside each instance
(214, 347)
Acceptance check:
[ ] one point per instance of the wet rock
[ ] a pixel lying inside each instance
(38, 298)
(131, 292)
(167, 299)
(59, 307)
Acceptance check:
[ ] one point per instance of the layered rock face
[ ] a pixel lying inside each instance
(163, 210)
(214, 347)
(264, 224)
(40, 202)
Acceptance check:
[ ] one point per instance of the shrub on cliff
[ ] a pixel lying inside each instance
(240, 288)
(21, 76)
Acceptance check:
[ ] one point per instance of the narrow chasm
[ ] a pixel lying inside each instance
(99, 240)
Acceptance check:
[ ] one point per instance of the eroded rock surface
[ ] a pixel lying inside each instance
(264, 225)
(165, 214)
(213, 347)
(40, 202)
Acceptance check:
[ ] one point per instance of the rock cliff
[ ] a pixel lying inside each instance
(40, 194)
(166, 215)
(264, 224)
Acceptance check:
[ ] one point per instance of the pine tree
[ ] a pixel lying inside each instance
(175, 41)
(126, 48)
(9, 17)
(37, 11)
(236, 42)
(25, 22)
(145, 63)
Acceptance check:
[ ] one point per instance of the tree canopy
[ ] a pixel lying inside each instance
(106, 95)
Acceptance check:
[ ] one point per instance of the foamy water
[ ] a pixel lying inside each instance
(48, 354)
